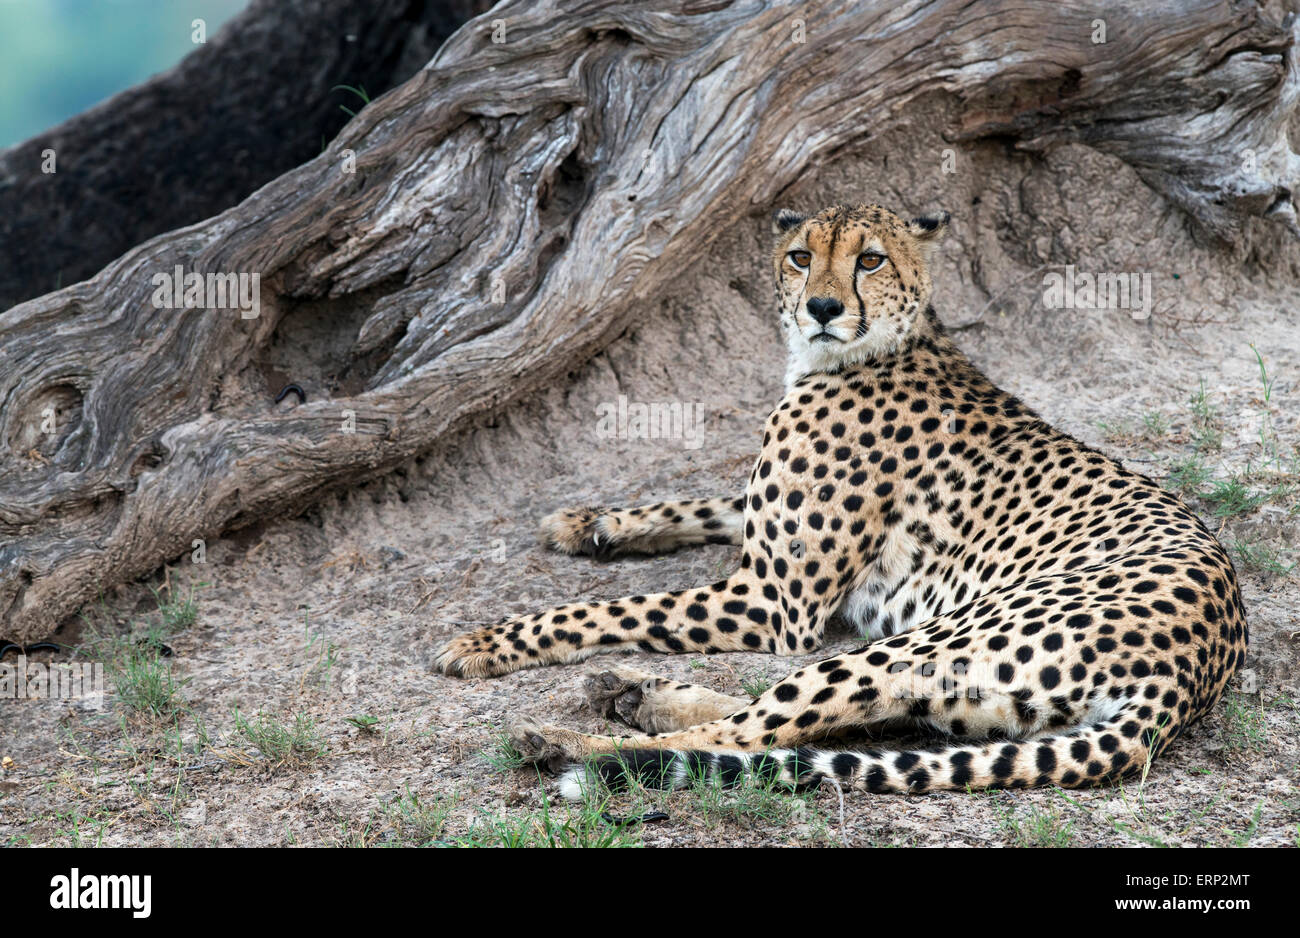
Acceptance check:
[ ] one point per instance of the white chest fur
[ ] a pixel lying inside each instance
(897, 592)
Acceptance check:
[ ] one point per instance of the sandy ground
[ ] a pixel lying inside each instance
(334, 614)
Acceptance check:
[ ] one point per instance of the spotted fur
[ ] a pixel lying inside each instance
(1061, 617)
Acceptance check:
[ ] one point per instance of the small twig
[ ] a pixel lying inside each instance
(839, 790)
(423, 599)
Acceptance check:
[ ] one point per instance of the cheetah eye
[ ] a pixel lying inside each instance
(871, 262)
(800, 259)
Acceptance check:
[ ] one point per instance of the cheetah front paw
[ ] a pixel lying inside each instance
(551, 747)
(579, 531)
(481, 653)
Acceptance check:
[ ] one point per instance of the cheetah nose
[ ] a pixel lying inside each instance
(824, 308)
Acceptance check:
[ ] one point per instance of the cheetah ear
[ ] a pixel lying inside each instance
(929, 228)
(783, 219)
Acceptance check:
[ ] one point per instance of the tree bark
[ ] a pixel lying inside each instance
(513, 203)
(254, 101)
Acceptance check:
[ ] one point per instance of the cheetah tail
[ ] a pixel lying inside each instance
(1089, 755)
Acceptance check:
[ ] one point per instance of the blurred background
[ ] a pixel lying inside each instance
(154, 132)
(59, 57)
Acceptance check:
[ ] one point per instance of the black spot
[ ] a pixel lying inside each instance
(1004, 765)
(844, 764)
(731, 771)
(961, 770)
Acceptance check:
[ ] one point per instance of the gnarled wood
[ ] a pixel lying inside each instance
(511, 205)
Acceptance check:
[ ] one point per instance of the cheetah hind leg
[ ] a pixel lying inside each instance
(655, 704)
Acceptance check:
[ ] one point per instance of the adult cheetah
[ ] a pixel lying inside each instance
(1062, 618)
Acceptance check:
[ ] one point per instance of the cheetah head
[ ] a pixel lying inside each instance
(851, 282)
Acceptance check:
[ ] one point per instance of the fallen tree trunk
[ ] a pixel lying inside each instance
(497, 218)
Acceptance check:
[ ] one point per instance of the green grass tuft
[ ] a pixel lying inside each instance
(144, 681)
(177, 614)
(279, 744)
(580, 826)
(1264, 558)
(1245, 729)
(501, 754)
(1038, 827)
(417, 823)
(755, 684)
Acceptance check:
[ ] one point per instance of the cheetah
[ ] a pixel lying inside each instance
(1054, 618)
